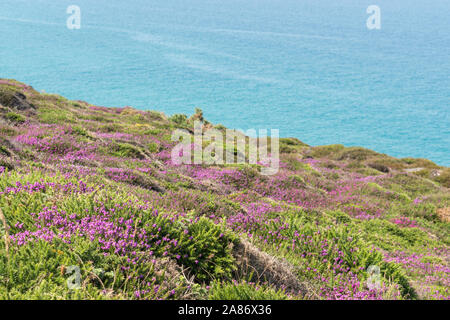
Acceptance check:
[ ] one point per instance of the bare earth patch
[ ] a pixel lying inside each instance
(444, 214)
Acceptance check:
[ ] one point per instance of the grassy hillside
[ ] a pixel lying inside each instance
(94, 187)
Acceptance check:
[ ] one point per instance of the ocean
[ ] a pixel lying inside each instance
(311, 69)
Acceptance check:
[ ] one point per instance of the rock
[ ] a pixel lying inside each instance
(16, 100)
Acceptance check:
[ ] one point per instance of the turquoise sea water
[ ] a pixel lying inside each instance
(309, 68)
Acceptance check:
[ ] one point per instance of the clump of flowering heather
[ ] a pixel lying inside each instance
(9, 82)
(354, 289)
(50, 139)
(66, 188)
(95, 188)
(405, 222)
(119, 174)
(115, 136)
(430, 268)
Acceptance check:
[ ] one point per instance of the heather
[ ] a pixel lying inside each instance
(95, 187)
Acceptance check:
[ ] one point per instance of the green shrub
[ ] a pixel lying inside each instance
(125, 150)
(298, 179)
(220, 127)
(4, 151)
(14, 117)
(424, 210)
(373, 188)
(323, 151)
(179, 119)
(292, 142)
(80, 131)
(410, 184)
(244, 291)
(294, 163)
(153, 147)
(6, 95)
(356, 153)
(390, 236)
(155, 115)
(207, 250)
(341, 217)
(286, 149)
(40, 270)
(290, 145)
(152, 132)
(198, 115)
(420, 163)
(109, 128)
(53, 115)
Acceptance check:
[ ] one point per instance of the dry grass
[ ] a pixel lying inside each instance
(266, 268)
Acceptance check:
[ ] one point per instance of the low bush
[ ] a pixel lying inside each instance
(244, 291)
(14, 117)
(323, 151)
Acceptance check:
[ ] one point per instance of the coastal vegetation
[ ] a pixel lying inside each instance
(94, 188)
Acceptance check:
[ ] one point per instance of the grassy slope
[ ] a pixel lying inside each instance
(93, 187)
